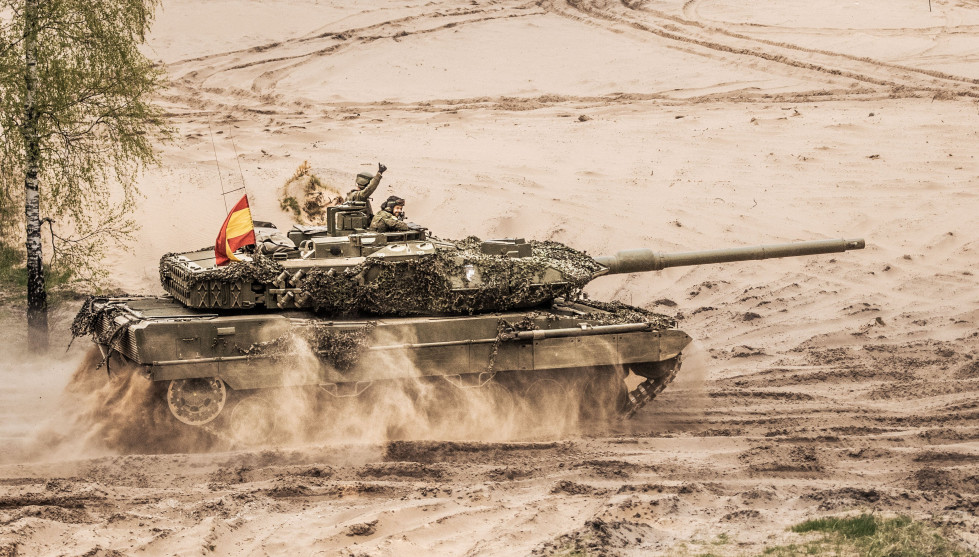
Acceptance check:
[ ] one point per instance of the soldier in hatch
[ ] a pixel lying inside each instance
(390, 217)
(366, 184)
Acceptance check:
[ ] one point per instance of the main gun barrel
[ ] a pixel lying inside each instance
(641, 260)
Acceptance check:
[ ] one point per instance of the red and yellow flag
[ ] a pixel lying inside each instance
(237, 231)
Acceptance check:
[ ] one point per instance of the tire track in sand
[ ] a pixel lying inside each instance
(897, 81)
(289, 56)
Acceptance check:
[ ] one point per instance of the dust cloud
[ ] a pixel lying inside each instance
(30, 391)
(112, 407)
(684, 409)
(415, 408)
(104, 408)
(405, 402)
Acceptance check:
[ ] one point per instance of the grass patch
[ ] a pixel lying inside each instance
(291, 205)
(869, 535)
(717, 547)
(853, 527)
(13, 277)
(11, 260)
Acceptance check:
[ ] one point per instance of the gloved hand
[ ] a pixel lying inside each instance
(381, 168)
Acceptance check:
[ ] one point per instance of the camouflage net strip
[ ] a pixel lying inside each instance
(261, 269)
(339, 348)
(87, 320)
(619, 313)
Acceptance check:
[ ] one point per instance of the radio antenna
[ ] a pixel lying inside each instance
(240, 173)
(214, 147)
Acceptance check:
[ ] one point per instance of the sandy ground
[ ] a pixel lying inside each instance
(816, 386)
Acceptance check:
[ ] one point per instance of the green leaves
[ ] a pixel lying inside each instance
(96, 124)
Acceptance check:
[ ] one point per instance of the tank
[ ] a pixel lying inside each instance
(363, 309)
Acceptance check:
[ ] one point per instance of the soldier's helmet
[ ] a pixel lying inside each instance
(390, 203)
(363, 179)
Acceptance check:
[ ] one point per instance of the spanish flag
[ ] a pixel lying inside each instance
(237, 231)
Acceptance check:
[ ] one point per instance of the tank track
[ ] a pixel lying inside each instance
(648, 389)
(637, 399)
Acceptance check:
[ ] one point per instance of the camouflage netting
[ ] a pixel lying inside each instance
(617, 313)
(273, 349)
(261, 269)
(424, 285)
(100, 323)
(606, 313)
(85, 321)
(341, 348)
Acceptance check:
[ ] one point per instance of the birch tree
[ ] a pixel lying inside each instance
(77, 126)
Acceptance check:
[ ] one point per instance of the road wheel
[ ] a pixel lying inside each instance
(196, 401)
(252, 421)
(603, 393)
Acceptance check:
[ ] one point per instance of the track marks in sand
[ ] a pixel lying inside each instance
(263, 66)
(891, 79)
(202, 82)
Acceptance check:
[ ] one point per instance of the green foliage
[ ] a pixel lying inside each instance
(11, 260)
(313, 184)
(866, 535)
(97, 127)
(870, 535)
(290, 204)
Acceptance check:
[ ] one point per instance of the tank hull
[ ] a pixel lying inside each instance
(345, 356)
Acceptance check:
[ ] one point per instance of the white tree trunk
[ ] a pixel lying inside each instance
(37, 298)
